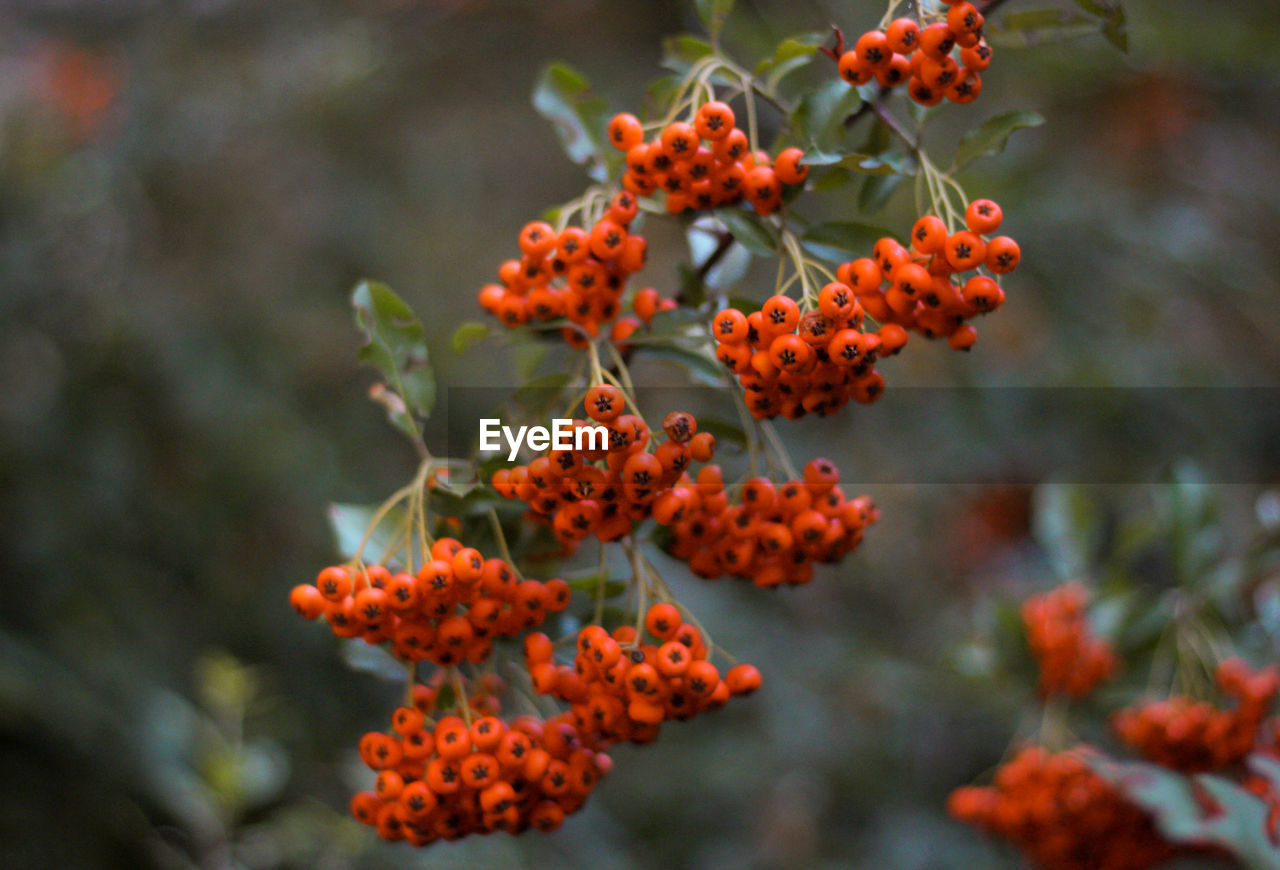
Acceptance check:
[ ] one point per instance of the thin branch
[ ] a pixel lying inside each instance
(891, 121)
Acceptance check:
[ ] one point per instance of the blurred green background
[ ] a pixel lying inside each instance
(189, 190)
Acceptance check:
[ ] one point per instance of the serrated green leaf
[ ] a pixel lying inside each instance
(748, 230)
(840, 240)
(564, 97)
(876, 191)
(468, 334)
(396, 345)
(993, 135)
(713, 14)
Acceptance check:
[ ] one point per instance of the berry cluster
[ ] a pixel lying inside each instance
(448, 612)
(620, 688)
(474, 776)
(792, 363)
(921, 294)
(1063, 815)
(775, 532)
(922, 57)
(1072, 661)
(705, 163)
(606, 490)
(577, 273)
(1193, 737)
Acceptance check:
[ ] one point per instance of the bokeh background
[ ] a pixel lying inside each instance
(188, 192)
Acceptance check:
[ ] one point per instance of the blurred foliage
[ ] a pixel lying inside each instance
(188, 192)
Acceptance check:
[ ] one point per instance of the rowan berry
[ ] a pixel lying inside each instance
(853, 69)
(965, 250)
(679, 141)
(982, 216)
(625, 131)
(872, 48)
(714, 120)
(702, 446)
(964, 17)
(788, 168)
(742, 679)
(307, 601)
(1002, 255)
(605, 402)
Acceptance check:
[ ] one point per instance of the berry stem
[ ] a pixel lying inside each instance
(386, 507)
(501, 539)
(775, 441)
(598, 614)
(748, 429)
(460, 695)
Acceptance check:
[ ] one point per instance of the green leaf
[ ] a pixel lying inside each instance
(1116, 32)
(372, 659)
(713, 14)
(396, 345)
(544, 393)
(1036, 19)
(723, 430)
(834, 180)
(876, 191)
(839, 239)
(1114, 20)
(468, 334)
(748, 230)
(1038, 27)
(1100, 8)
(565, 98)
(659, 94)
(683, 50)
(791, 54)
(591, 583)
(1238, 825)
(700, 366)
(993, 135)
(667, 324)
(819, 116)
(704, 238)
(887, 163)
(466, 500)
(350, 522)
(1068, 525)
